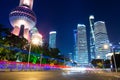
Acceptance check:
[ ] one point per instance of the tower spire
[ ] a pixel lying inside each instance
(92, 38)
(28, 3)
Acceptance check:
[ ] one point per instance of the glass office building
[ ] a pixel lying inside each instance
(81, 45)
(101, 39)
(52, 39)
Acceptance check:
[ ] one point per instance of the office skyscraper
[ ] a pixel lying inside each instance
(23, 19)
(81, 44)
(101, 39)
(92, 39)
(52, 39)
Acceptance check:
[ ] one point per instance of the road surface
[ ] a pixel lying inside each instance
(58, 75)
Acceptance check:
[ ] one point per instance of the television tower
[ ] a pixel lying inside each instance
(23, 19)
(92, 38)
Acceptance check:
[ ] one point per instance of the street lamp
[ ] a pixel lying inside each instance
(29, 53)
(113, 53)
(35, 40)
(105, 47)
(113, 50)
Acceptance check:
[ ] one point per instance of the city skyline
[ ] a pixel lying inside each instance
(63, 17)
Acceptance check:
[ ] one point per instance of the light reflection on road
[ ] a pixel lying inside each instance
(28, 79)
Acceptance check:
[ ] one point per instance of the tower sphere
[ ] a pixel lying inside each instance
(22, 15)
(91, 17)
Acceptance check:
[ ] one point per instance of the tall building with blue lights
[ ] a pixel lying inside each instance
(52, 39)
(101, 39)
(81, 45)
(91, 39)
(75, 45)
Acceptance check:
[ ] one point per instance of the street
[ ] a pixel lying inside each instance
(58, 75)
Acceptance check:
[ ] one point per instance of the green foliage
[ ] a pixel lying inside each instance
(18, 42)
(98, 63)
(34, 59)
(44, 61)
(10, 40)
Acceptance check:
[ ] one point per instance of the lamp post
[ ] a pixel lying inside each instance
(113, 53)
(35, 40)
(113, 50)
(105, 47)
(29, 54)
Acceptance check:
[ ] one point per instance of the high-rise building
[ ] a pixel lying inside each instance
(52, 39)
(92, 39)
(23, 19)
(101, 39)
(75, 45)
(81, 44)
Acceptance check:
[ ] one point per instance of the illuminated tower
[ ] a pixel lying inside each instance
(23, 19)
(82, 51)
(92, 38)
(75, 45)
(52, 39)
(101, 39)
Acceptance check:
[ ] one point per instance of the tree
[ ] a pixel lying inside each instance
(107, 64)
(9, 41)
(54, 52)
(97, 63)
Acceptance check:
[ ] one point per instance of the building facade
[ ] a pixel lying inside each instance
(101, 39)
(52, 39)
(81, 45)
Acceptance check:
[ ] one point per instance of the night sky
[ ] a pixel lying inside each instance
(64, 15)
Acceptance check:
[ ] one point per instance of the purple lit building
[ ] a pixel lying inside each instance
(23, 19)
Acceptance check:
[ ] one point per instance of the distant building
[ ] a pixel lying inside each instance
(52, 39)
(101, 39)
(81, 45)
